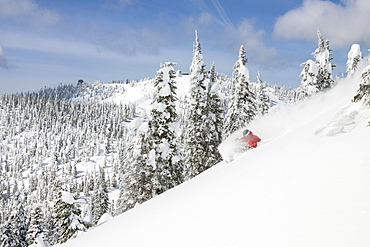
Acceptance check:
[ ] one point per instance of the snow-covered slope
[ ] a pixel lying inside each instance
(308, 184)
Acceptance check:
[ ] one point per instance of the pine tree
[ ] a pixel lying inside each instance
(36, 226)
(18, 221)
(309, 79)
(14, 230)
(214, 120)
(99, 198)
(113, 180)
(136, 172)
(363, 93)
(262, 100)
(7, 238)
(322, 55)
(163, 123)
(242, 109)
(194, 135)
(142, 164)
(354, 59)
(68, 221)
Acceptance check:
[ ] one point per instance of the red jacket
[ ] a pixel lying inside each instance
(250, 140)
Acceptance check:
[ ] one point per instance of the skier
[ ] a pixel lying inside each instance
(249, 140)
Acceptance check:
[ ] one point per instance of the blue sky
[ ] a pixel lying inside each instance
(44, 43)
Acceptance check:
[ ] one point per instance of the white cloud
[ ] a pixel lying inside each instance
(246, 34)
(343, 24)
(26, 11)
(202, 22)
(3, 63)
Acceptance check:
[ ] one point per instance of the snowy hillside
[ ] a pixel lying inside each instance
(306, 185)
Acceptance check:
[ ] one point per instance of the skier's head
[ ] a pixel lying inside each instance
(246, 132)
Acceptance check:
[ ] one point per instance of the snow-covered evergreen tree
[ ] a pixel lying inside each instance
(7, 238)
(241, 109)
(194, 135)
(363, 93)
(309, 79)
(18, 221)
(354, 58)
(99, 198)
(322, 55)
(136, 184)
(163, 123)
(67, 217)
(262, 100)
(113, 181)
(36, 226)
(214, 119)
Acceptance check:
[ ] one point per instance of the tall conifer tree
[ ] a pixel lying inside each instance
(363, 93)
(18, 221)
(68, 221)
(214, 119)
(99, 198)
(242, 108)
(163, 123)
(194, 132)
(354, 59)
(262, 100)
(309, 79)
(36, 226)
(323, 58)
(136, 181)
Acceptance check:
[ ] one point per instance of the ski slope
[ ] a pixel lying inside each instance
(308, 184)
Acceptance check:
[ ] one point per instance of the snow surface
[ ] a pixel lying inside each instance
(307, 184)
(104, 218)
(67, 197)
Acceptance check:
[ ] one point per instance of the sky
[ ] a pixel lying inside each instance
(45, 43)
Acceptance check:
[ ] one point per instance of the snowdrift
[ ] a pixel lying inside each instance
(307, 184)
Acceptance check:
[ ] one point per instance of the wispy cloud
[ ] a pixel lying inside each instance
(221, 12)
(217, 12)
(343, 23)
(26, 11)
(201, 22)
(253, 39)
(3, 62)
(132, 41)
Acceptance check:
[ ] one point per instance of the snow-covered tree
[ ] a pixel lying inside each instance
(113, 181)
(262, 100)
(137, 172)
(194, 135)
(241, 109)
(67, 217)
(322, 55)
(7, 238)
(14, 230)
(18, 221)
(309, 79)
(36, 226)
(354, 58)
(99, 198)
(363, 93)
(214, 119)
(163, 126)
